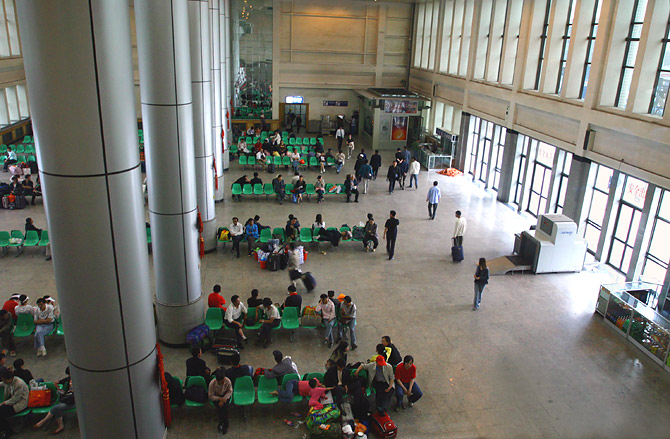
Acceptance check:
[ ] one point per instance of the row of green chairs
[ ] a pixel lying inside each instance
(290, 319)
(30, 239)
(20, 158)
(25, 326)
(55, 399)
(20, 148)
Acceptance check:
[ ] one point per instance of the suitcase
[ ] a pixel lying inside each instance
(273, 262)
(309, 281)
(283, 261)
(225, 350)
(456, 252)
(20, 202)
(383, 425)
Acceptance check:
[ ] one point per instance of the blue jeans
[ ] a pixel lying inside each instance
(319, 195)
(288, 394)
(415, 179)
(329, 329)
(479, 289)
(352, 327)
(338, 167)
(416, 392)
(295, 165)
(40, 332)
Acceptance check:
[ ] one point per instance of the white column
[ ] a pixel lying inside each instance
(218, 135)
(226, 84)
(77, 58)
(201, 89)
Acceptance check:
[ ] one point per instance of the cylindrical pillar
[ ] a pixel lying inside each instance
(226, 84)
(167, 115)
(218, 134)
(201, 90)
(232, 55)
(83, 114)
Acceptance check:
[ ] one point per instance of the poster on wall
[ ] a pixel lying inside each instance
(399, 106)
(399, 130)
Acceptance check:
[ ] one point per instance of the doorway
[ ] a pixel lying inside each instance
(287, 121)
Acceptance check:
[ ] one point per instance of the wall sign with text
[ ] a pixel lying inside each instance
(335, 103)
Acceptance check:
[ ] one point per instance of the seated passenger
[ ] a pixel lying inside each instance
(381, 379)
(337, 378)
(254, 301)
(219, 392)
(44, 324)
(382, 351)
(15, 399)
(405, 374)
(272, 320)
(234, 319)
(284, 365)
(6, 327)
(294, 299)
(236, 370)
(256, 179)
(196, 366)
(215, 299)
(65, 402)
(24, 307)
(20, 372)
(394, 358)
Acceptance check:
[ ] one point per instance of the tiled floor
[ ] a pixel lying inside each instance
(535, 361)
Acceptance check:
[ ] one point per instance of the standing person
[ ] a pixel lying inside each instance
(350, 145)
(481, 279)
(406, 154)
(327, 310)
(381, 379)
(44, 324)
(433, 198)
(405, 376)
(219, 391)
(392, 175)
(6, 325)
(391, 233)
(293, 265)
(15, 400)
(365, 174)
(339, 136)
(370, 234)
(403, 169)
(215, 299)
(236, 234)
(298, 122)
(319, 188)
(348, 319)
(272, 320)
(291, 117)
(279, 186)
(234, 319)
(414, 169)
(459, 228)
(375, 163)
(351, 187)
(251, 231)
(339, 161)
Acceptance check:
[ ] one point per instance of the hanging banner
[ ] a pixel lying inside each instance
(399, 130)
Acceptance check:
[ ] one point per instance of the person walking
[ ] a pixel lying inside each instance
(481, 279)
(433, 198)
(375, 163)
(391, 233)
(365, 174)
(392, 176)
(339, 136)
(414, 169)
(459, 229)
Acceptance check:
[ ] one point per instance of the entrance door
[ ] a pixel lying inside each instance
(297, 109)
(414, 129)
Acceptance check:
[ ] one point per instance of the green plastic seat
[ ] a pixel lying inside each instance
(251, 311)
(268, 160)
(19, 235)
(3, 157)
(305, 235)
(278, 233)
(233, 149)
(25, 325)
(243, 391)
(195, 382)
(258, 189)
(328, 187)
(276, 160)
(342, 191)
(266, 235)
(59, 329)
(249, 139)
(247, 189)
(284, 133)
(251, 161)
(315, 232)
(305, 149)
(30, 158)
(286, 161)
(265, 386)
(268, 190)
(148, 235)
(288, 188)
(290, 319)
(237, 189)
(330, 161)
(242, 160)
(320, 139)
(30, 149)
(314, 162)
(3, 148)
(309, 189)
(345, 229)
(54, 400)
(4, 241)
(317, 375)
(291, 141)
(312, 141)
(288, 377)
(28, 139)
(214, 319)
(19, 149)
(32, 238)
(298, 141)
(21, 158)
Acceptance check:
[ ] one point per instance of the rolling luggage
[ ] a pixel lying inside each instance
(283, 261)
(274, 262)
(456, 252)
(383, 425)
(309, 281)
(226, 350)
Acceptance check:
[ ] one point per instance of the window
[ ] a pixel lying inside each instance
(566, 46)
(627, 222)
(590, 44)
(13, 105)
(630, 54)
(484, 149)
(541, 179)
(497, 157)
(521, 175)
(662, 83)
(543, 44)
(473, 144)
(9, 33)
(418, 40)
(658, 254)
(596, 214)
(563, 181)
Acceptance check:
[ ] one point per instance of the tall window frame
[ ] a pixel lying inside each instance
(566, 46)
(661, 88)
(473, 140)
(497, 155)
(521, 175)
(543, 45)
(484, 149)
(657, 256)
(540, 182)
(627, 222)
(563, 180)
(590, 45)
(630, 53)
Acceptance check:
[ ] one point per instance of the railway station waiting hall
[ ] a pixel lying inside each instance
(482, 187)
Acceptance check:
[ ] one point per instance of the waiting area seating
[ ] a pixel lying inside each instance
(18, 240)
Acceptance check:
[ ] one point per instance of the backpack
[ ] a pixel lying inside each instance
(175, 390)
(196, 394)
(358, 233)
(225, 235)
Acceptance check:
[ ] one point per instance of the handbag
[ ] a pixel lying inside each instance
(39, 398)
(310, 317)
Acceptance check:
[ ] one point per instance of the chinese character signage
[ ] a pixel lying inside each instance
(335, 103)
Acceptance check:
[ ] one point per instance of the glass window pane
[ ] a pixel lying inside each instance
(653, 272)
(598, 207)
(23, 101)
(532, 204)
(603, 178)
(625, 261)
(13, 28)
(632, 54)
(636, 31)
(616, 254)
(12, 104)
(4, 113)
(626, 78)
(660, 240)
(664, 211)
(4, 37)
(635, 191)
(634, 225)
(592, 235)
(623, 223)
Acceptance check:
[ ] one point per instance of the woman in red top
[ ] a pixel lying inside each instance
(11, 304)
(405, 374)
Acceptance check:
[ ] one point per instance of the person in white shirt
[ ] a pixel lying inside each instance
(350, 145)
(50, 301)
(319, 222)
(327, 310)
(339, 135)
(242, 146)
(24, 307)
(235, 317)
(272, 320)
(236, 234)
(414, 169)
(459, 228)
(339, 161)
(11, 157)
(44, 324)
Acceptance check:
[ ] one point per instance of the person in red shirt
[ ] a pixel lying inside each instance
(216, 300)
(405, 374)
(11, 304)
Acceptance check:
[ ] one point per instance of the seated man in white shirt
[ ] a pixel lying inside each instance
(272, 320)
(235, 317)
(44, 324)
(236, 234)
